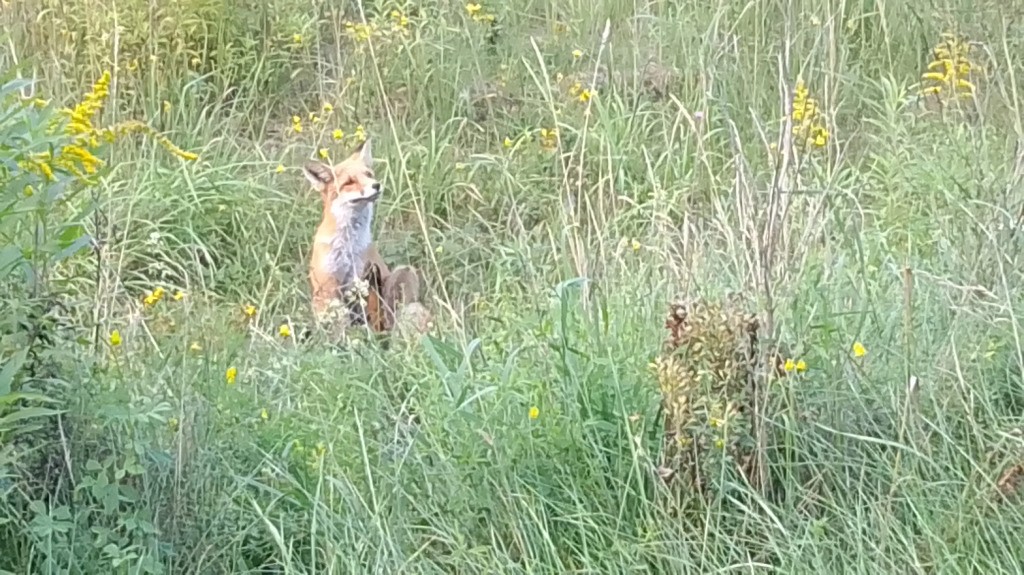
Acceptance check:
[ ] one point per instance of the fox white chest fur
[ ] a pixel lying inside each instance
(345, 259)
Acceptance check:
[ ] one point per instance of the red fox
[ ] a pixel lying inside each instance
(344, 256)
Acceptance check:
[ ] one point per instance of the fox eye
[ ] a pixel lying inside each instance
(369, 174)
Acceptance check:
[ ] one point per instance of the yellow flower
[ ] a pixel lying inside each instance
(173, 423)
(167, 106)
(961, 83)
(230, 375)
(249, 310)
(360, 134)
(636, 245)
(284, 330)
(296, 119)
(396, 14)
(328, 108)
(115, 338)
(534, 413)
(279, 169)
(195, 346)
(297, 128)
(321, 449)
(858, 350)
(153, 297)
(715, 422)
(179, 295)
(297, 38)
(29, 192)
(472, 8)
(323, 153)
(508, 143)
(801, 365)
(338, 134)
(264, 414)
(577, 54)
(584, 95)
(790, 365)
(719, 444)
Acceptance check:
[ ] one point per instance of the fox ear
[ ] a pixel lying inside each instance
(364, 153)
(318, 174)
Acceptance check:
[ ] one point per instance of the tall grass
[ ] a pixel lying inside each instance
(551, 259)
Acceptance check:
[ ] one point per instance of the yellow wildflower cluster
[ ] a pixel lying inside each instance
(337, 134)
(477, 13)
(77, 157)
(137, 127)
(80, 118)
(399, 22)
(153, 297)
(396, 25)
(794, 365)
(948, 72)
(809, 125)
(361, 32)
(80, 127)
(576, 89)
(548, 139)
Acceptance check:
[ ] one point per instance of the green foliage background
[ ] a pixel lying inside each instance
(421, 456)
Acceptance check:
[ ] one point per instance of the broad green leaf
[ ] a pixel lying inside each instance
(10, 369)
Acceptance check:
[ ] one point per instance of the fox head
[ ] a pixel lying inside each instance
(347, 186)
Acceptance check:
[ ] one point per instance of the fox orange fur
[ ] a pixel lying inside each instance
(343, 249)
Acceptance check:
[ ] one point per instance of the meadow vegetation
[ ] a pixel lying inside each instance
(718, 287)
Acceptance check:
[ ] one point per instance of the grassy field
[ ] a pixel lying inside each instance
(561, 172)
